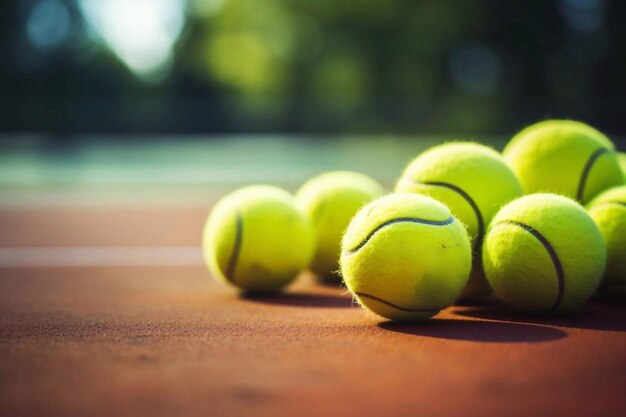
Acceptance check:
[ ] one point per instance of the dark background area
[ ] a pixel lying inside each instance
(300, 66)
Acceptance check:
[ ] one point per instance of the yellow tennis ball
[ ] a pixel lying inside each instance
(405, 257)
(622, 162)
(564, 157)
(256, 239)
(608, 210)
(474, 182)
(543, 253)
(329, 201)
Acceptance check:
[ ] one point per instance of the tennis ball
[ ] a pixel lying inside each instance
(622, 162)
(405, 257)
(329, 201)
(256, 239)
(608, 210)
(474, 182)
(543, 253)
(564, 157)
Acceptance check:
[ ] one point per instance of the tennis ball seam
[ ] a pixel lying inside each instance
(397, 307)
(560, 274)
(479, 217)
(234, 255)
(398, 220)
(587, 170)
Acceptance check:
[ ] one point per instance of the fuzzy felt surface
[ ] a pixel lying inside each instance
(257, 240)
(564, 157)
(404, 256)
(544, 253)
(329, 201)
(608, 210)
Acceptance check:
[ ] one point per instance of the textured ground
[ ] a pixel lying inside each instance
(113, 336)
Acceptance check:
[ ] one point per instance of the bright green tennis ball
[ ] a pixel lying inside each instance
(474, 182)
(329, 201)
(564, 157)
(256, 239)
(609, 212)
(543, 253)
(405, 257)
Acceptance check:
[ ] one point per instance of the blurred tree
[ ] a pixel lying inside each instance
(423, 66)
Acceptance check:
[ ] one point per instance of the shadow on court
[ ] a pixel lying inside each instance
(477, 331)
(598, 315)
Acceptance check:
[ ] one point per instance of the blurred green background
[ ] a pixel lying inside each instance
(449, 67)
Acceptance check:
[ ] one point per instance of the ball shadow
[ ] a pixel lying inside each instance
(300, 300)
(477, 331)
(331, 281)
(598, 315)
(488, 300)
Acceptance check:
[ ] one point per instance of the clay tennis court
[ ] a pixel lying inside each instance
(107, 309)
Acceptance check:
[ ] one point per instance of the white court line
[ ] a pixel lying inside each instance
(101, 256)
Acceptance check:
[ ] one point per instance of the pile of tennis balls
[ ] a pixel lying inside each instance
(541, 226)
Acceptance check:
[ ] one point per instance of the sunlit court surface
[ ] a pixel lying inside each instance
(138, 279)
(107, 307)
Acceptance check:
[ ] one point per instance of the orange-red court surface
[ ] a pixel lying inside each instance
(141, 329)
